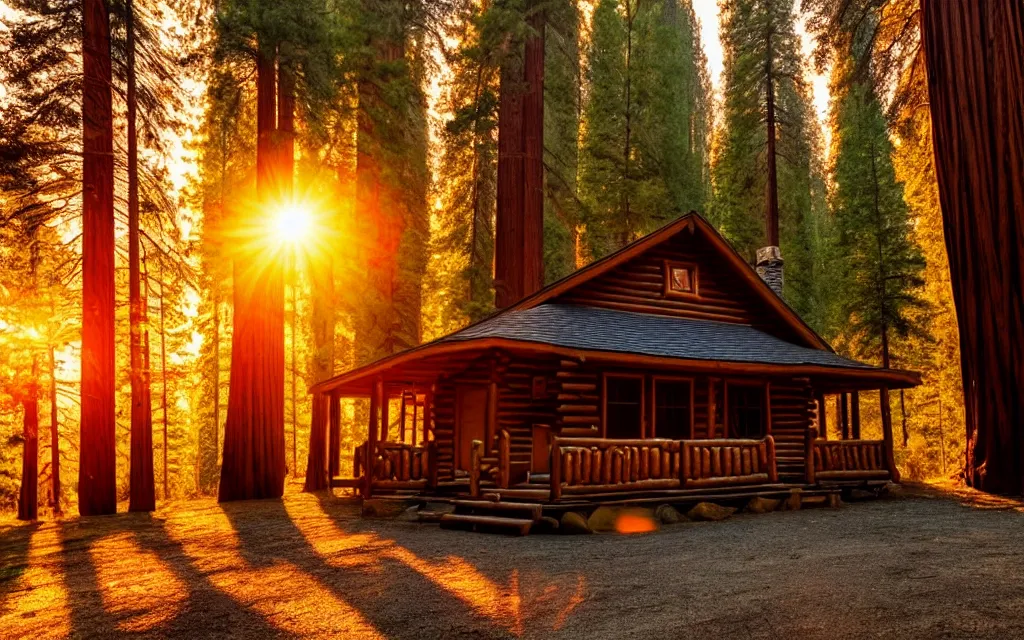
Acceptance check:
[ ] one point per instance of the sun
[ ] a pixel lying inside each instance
(292, 224)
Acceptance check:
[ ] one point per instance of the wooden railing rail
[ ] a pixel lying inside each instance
(591, 465)
(845, 459)
(725, 462)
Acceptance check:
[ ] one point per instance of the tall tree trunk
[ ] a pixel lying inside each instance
(28, 499)
(97, 488)
(163, 371)
(286, 178)
(254, 451)
(54, 436)
(322, 365)
(141, 490)
(976, 93)
(519, 224)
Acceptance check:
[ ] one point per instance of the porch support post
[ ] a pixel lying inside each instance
(415, 415)
(428, 398)
(855, 415)
(334, 451)
(822, 416)
(384, 406)
(491, 417)
(890, 459)
(401, 419)
(376, 399)
(844, 416)
(316, 463)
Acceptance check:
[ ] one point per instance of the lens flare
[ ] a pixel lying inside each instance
(292, 223)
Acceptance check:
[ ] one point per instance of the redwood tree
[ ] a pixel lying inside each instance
(97, 491)
(141, 490)
(976, 88)
(254, 448)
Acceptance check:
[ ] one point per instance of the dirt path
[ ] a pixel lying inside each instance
(914, 566)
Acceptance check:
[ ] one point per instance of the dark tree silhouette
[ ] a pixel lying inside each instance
(976, 89)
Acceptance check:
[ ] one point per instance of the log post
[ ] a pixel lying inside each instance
(844, 416)
(504, 459)
(855, 415)
(428, 399)
(491, 417)
(887, 438)
(432, 464)
(401, 419)
(376, 399)
(556, 470)
(334, 448)
(822, 416)
(415, 414)
(812, 435)
(773, 468)
(384, 406)
(475, 453)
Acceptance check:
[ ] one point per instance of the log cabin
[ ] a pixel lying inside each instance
(667, 369)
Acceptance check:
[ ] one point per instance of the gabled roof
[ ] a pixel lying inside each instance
(692, 222)
(537, 323)
(595, 329)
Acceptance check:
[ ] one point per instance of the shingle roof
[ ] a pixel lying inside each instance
(593, 329)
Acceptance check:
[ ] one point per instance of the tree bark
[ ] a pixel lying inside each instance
(254, 451)
(141, 491)
(28, 499)
(286, 181)
(97, 489)
(54, 437)
(976, 93)
(772, 208)
(533, 160)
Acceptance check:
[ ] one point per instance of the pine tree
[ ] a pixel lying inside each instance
(643, 157)
(762, 70)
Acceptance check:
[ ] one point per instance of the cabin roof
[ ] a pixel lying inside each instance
(537, 323)
(595, 329)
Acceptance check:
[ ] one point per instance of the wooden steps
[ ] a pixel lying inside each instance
(515, 518)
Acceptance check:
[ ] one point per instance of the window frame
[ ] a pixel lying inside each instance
(766, 406)
(655, 379)
(669, 292)
(604, 400)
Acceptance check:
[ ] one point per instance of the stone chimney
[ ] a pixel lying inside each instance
(769, 267)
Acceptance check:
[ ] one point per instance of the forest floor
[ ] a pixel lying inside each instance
(922, 563)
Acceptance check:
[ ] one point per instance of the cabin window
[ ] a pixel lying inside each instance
(673, 401)
(746, 411)
(623, 406)
(680, 279)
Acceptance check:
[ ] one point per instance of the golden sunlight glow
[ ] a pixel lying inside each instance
(292, 223)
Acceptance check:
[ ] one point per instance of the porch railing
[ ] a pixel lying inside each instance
(845, 459)
(723, 462)
(595, 465)
(396, 465)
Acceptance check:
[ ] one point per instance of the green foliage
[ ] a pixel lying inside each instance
(758, 35)
(646, 115)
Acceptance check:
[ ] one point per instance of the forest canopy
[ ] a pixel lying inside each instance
(343, 155)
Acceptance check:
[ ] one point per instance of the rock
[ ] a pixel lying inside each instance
(603, 519)
(709, 511)
(374, 508)
(439, 507)
(667, 514)
(546, 524)
(762, 505)
(573, 523)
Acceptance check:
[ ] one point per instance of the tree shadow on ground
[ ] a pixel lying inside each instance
(395, 599)
(14, 544)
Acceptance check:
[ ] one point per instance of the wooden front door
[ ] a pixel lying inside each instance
(470, 422)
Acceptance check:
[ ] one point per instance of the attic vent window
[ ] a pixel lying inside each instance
(680, 279)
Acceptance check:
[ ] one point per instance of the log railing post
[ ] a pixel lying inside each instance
(556, 470)
(812, 435)
(773, 469)
(475, 454)
(504, 459)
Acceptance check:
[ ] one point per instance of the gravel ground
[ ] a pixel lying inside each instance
(921, 564)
